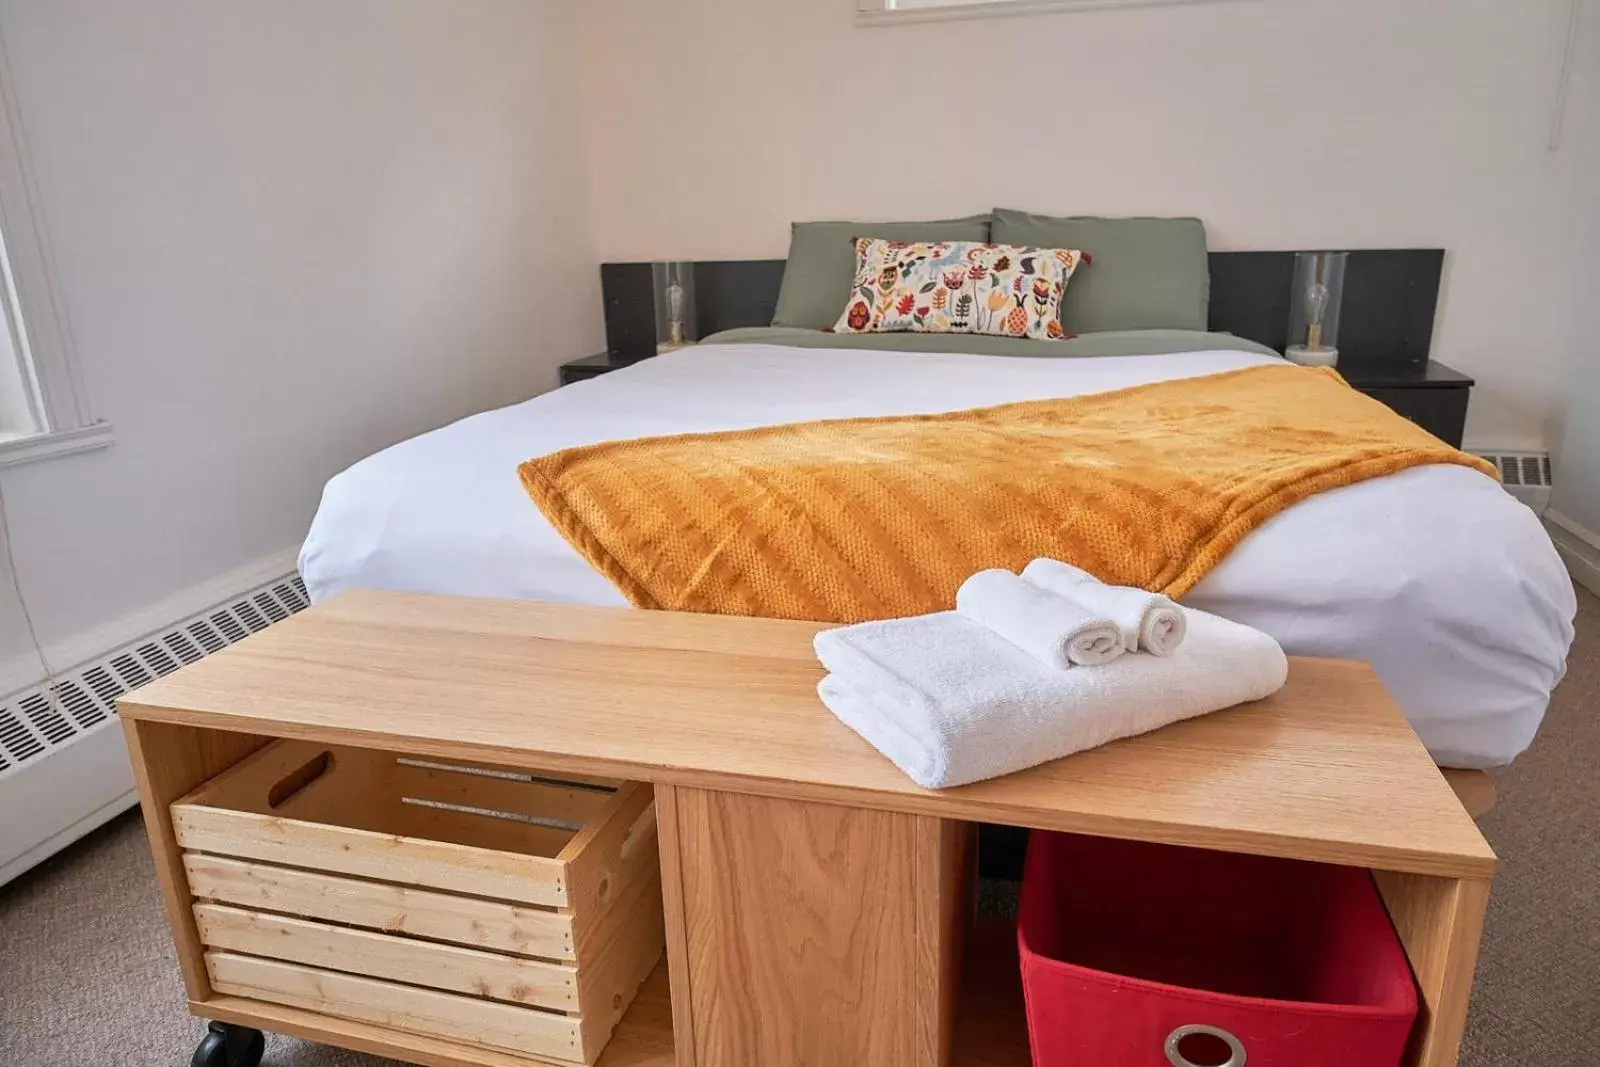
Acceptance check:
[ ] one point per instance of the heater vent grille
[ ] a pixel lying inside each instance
(1522, 469)
(31, 723)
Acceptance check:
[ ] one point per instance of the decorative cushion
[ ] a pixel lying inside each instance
(822, 261)
(1149, 274)
(958, 287)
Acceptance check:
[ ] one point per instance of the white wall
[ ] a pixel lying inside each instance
(17, 665)
(1576, 498)
(1355, 123)
(289, 232)
(1577, 463)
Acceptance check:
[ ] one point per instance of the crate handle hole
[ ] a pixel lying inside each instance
(292, 783)
(1204, 1046)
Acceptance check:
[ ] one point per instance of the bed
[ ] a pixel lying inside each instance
(1445, 583)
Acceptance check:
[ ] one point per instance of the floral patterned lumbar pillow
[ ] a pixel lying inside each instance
(958, 287)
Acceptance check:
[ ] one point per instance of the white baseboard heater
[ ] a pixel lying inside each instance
(63, 762)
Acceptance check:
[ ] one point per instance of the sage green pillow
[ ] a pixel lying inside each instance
(822, 262)
(1142, 274)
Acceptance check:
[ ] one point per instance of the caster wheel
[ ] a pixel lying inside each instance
(226, 1045)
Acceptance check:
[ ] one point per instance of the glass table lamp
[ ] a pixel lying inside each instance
(674, 285)
(1314, 303)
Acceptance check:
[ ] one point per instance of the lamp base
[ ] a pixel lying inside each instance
(1306, 357)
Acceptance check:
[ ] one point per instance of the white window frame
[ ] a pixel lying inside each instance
(896, 12)
(59, 418)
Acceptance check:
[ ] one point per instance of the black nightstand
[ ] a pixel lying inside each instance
(591, 367)
(1429, 394)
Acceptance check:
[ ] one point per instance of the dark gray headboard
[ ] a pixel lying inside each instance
(1389, 300)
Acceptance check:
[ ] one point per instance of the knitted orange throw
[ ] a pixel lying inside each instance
(855, 519)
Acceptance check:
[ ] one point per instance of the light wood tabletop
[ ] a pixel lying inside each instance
(1318, 771)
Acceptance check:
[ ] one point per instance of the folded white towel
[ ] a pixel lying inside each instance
(951, 702)
(1054, 630)
(1149, 622)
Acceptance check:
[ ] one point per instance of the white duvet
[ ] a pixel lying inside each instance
(1438, 577)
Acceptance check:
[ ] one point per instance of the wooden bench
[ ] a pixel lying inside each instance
(815, 898)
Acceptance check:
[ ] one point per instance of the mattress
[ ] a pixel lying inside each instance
(1435, 575)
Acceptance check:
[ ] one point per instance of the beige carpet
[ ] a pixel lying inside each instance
(87, 975)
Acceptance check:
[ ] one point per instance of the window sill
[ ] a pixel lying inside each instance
(876, 16)
(16, 449)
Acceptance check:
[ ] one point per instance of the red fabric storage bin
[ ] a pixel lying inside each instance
(1124, 944)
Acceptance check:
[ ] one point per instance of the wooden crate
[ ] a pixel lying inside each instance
(466, 902)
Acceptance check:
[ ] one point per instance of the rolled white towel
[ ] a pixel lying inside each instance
(1054, 630)
(951, 702)
(1148, 622)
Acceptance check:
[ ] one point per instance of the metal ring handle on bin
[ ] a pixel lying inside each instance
(1236, 1051)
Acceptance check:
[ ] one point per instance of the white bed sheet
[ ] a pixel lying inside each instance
(1437, 576)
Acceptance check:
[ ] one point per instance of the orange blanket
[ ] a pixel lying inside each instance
(855, 519)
